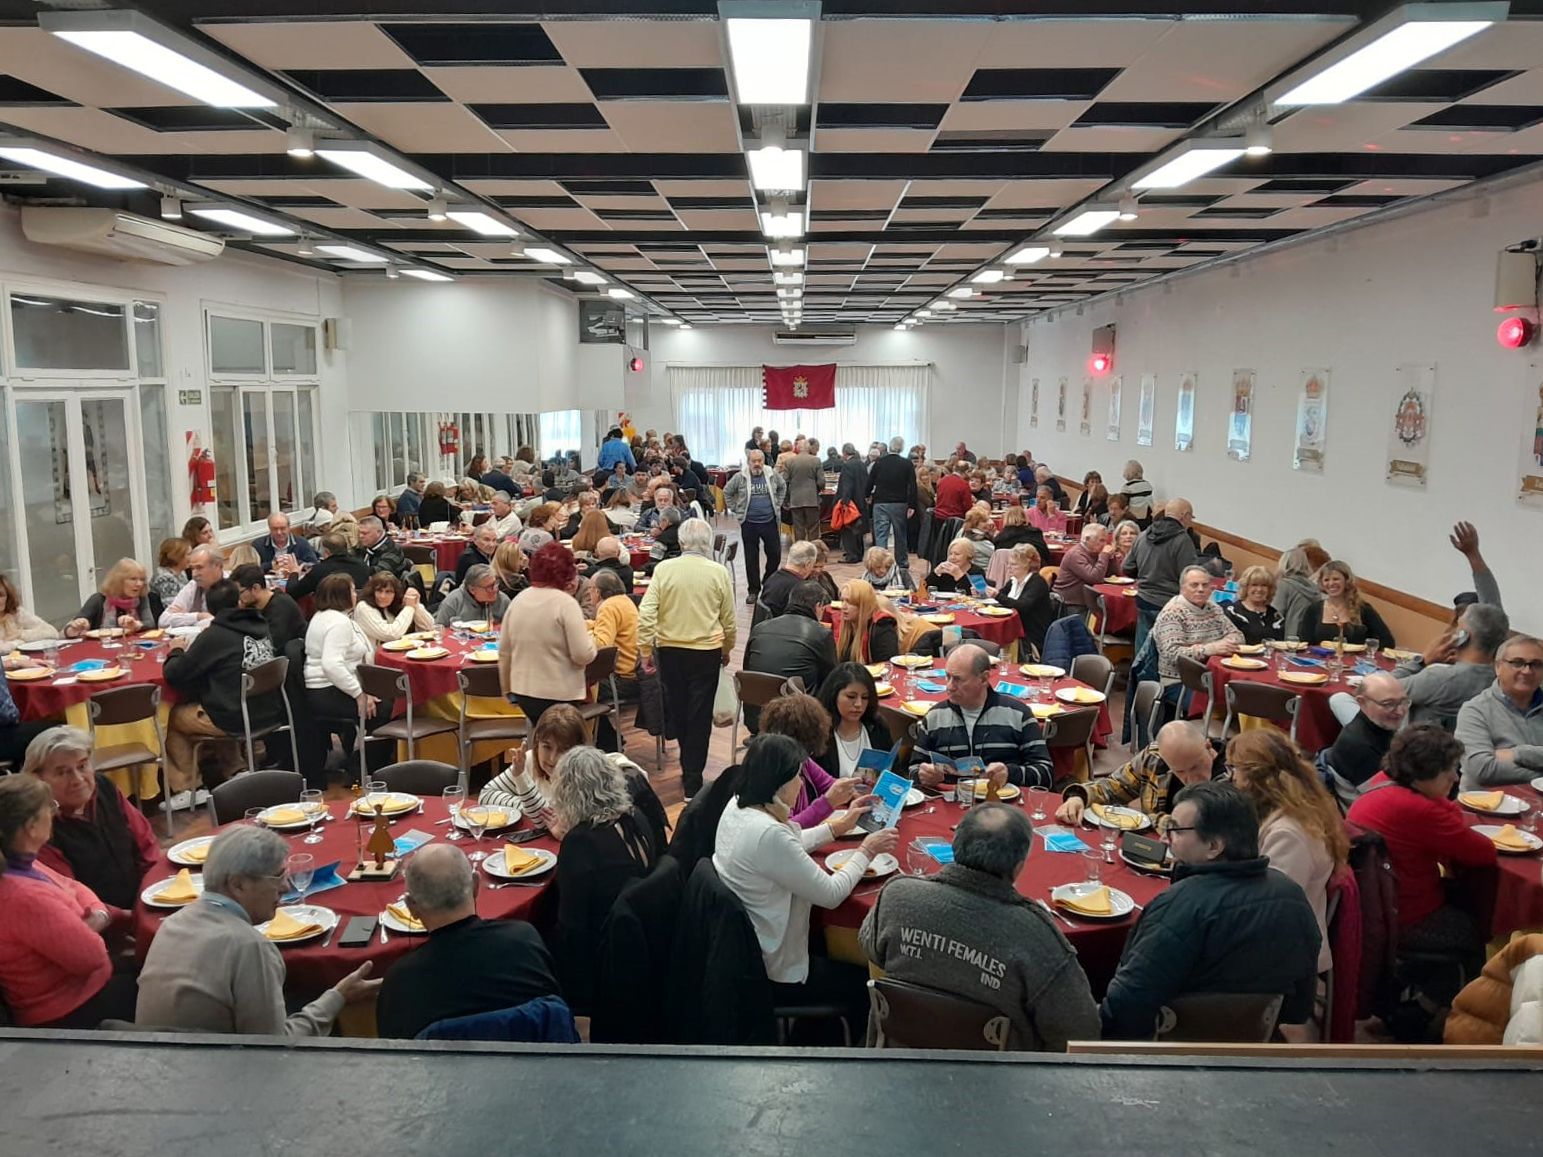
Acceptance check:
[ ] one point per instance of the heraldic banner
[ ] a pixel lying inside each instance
(799, 387)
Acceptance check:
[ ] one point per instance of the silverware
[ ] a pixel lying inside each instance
(1059, 916)
(382, 931)
(515, 884)
(328, 938)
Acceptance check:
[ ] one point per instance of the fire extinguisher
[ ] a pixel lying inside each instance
(201, 471)
(449, 438)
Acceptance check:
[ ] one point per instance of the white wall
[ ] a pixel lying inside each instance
(1412, 290)
(972, 394)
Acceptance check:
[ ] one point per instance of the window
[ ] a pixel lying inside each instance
(56, 334)
(294, 349)
(560, 433)
(236, 346)
(222, 417)
(147, 339)
(157, 459)
(284, 449)
(307, 446)
(254, 412)
(9, 562)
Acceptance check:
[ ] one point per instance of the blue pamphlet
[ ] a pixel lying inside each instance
(1015, 689)
(411, 842)
(979, 583)
(1063, 842)
(324, 879)
(89, 665)
(930, 687)
(964, 765)
(941, 852)
(889, 799)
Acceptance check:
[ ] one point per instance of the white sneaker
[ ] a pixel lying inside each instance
(179, 802)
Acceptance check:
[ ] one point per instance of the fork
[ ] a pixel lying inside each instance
(1059, 916)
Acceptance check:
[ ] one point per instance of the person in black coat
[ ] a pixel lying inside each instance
(1026, 592)
(335, 559)
(954, 574)
(1016, 530)
(435, 507)
(793, 643)
(850, 485)
(283, 614)
(608, 556)
(851, 698)
(481, 548)
(1251, 611)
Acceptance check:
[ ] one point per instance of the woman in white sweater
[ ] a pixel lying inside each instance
(389, 609)
(334, 648)
(764, 860)
(17, 624)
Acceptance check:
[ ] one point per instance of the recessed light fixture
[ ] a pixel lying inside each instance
(1197, 161)
(1027, 255)
(619, 293)
(989, 277)
(1259, 141)
(479, 222)
(547, 256)
(391, 273)
(790, 277)
(363, 158)
(427, 275)
(437, 209)
(1056, 250)
(1128, 207)
(784, 256)
(171, 208)
(349, 253)
(775, 169)
(944, 306)
(235, 219)
(588, 277)
(782, 223)
(1419, 33)
(1087, 222)
(963, 292)
(769, 59)
(304, 248)
(66, 167)
(300, 143)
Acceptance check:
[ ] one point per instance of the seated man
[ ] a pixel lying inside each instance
(466, 965)
(379, 551)
(1084, 565)
(1191, 626)
(279, 543)
(187, 609)
(99, 838)
(794, 643)
(336, 558)
(977, 720)
(408, 501)
(505, 522)
(282, 614)
(1357, 752)
(609, 556)
(780, 583)
(481, 548)
(210, 970)
(1151, 782)
(1456, 667)
(478, 599)
(1228, 923)
(968, 931)
(614, 624)
(1501, 728)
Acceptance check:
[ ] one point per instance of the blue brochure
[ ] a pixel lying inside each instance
(410, 842)
(930, 687)
(324, 879)
(1017, 690)
(872, 763)
(942, 852)
(979, 583)
(1063, 842)
(889, 792)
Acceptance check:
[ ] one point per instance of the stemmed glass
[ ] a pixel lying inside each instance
(476, 818)
(1373, 645)
(454, 797)
(300, 867)
(315, 811)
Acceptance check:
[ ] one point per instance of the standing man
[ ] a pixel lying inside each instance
(891, 490)
(754, 496)
(613, 450)
(805, 478)
(851, 487)
(1158, 560)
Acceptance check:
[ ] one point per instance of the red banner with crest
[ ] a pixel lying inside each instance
(799, 387)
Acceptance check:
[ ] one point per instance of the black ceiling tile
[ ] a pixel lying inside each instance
(745, 202)
(1356, 201)
(656, 83)
(1014, 214)
(1236, 213)
(634, 215)
(943, 202)
(448, 45)
(609, 188)
(1144, 114)
(1038, 83)
(881, 116)
(852, 214)
(1201, 253)
(1296, 185)
(1144, 247)
(286, 201)
(1482, 118)
(537, 203)
(989, 140)
(540, 116)
(194, 118)
(1437, 84)
(19, 93)
(361, 85)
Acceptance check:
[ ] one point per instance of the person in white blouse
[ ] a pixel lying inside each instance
(851, 697)
(334, 648)
(766, 863)
(389, 608)
(17, 624)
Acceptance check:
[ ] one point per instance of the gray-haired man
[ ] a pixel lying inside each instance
(891, 489)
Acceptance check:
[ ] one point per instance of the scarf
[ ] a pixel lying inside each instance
(123, 606)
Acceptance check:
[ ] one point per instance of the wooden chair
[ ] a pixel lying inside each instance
(900, 724)
(425, 777)
(599, 671)
(1219, 1016)
(116, 707)
(389, 685)
(230, 800)
(1196, 678)
(1098, 623)
(1073, 730)
(1263, 701)
(909, 1016)
(1095, 671)
(753, 689)
(482, 683)
(1049, 574)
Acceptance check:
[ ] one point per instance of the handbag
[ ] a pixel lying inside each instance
(725, 702)
(844, 514)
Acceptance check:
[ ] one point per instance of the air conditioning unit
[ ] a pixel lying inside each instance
(124, 236)
(816, 336)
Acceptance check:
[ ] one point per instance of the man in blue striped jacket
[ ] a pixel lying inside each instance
(976, 720)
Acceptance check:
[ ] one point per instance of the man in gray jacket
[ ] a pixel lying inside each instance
(806, 477)
(1501, 728)
(1454, 668)
(968, 932)
(754, 497)
(1158, 559)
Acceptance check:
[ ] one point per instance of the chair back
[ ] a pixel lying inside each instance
(1264, 701)
(760, 613)
(426, 777)
(601, 667)
(130, 703)
(794, 685)
(1070, 728)
(719, 992)
(1050, 574)
(996, 569)
(266, 678)
(385, 683)
(545, 1020)
(1098, 616)
(1195, 676)
(420, 555)
(986, 645)
(730, 553)
(899, 723)
(254, 789)
(755, 689)
(632, 962)
(480, 682)
(1095, 671)
(1144, 714)
(909, 1016)
(1220, 1016)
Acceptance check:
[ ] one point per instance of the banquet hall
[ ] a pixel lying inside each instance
(758, 535)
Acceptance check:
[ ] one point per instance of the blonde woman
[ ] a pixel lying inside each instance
(880, 571)
(17, 624)
(124, 601)
(243, 555)
(1252, 611)
(870, 629)
(509, 565)
(1341, 607)
(977, 530)
(954, 574)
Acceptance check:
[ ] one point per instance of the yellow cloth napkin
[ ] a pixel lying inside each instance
(283, 926)
(1509, 837)
(1487, 800)
(401, 913)
(496, 818)
(179, 891)
(284, 815)
(1118, 820)
(198, 853)
(1085, 695)
(1096, 902)
(517, 861)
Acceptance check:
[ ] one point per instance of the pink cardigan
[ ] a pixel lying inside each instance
(51, 962)
(807, 812)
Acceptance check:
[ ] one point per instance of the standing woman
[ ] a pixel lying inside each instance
(388, 609)
(1341, 607)
(1252, 612)
(334, 648)
(543, 645)
(1296, 586)
(851, 698)
(869, 631)
(17, 624)
(125, 601)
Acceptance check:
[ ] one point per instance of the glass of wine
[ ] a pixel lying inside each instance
(454, 797)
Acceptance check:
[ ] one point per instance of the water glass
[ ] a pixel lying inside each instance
(964, 792)
(1107, 844)
(375, 793)
(250, 817)
(1281, 663)
(916, 858)
(454, 797)
(1093, 866)
(476, 819)
(1373, 645)
(1038, 798)
(300, 867)
(315, 810)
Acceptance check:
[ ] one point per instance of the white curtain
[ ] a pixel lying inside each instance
(716, 407)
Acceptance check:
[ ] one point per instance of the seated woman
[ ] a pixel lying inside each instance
(388, 609)
(802, 719)
(509, 566)
(819, 574)
(851, 699)
(547, 516)
(384, 509)
(99, 838)
(242, 554)
(592, 528)
(543, 645)
(1089, 504)
(765, 861)
(1126, 532)
(1342, 607)
(171, 564)
(55, 970)
(17, 624)
(1192, 626)
(1439, 862)
(882, 573)
(1252, 613)
(954, 574)
(1047, 514)
(1016, 530)
(198, 531)
(605, 844)
(125, 600)
(334, 648)
(435, 507)
(869, 631)
(1299, 823)
(1026, 592)
(977, 532)
(620, 511)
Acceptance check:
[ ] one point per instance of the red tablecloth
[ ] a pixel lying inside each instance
(1003, 630)
(1120, 606)
(720, 478)
(431, 678)
(1316, 725)
(1519, 884)
(312, 967)
(47, 697)
(637, 546)
(447, 548)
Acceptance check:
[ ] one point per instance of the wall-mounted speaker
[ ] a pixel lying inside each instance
(336, 332)
(1516, 280)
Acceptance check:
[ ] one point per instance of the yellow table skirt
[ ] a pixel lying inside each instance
(446, 748)
(149, 774)
(841, 944)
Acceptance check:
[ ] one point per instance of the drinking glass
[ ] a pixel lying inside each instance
(1280, 662)
(964, 792)
(375, 793)
(916, 858)
(1038, 798)
(1047, 688)
(250, 816)
(1093, 866)
(476, 819)
(1373, 645)
(300, 867)
(454, 797)
(1107, 844)
(315, 810)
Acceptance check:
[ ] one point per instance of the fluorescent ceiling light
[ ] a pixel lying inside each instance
(164, 65)
(371, 166)
(238, 220)
(774, 169)
(1185, 167)
(1087, 222)
(989, 277)
(924, 313)
(964, 291)
(944, 306)
(437, 210)
(548, 256)
(479, 222)
(770, 60)
(668, 320)
(685, 325)
(65, 167)
(786, 224)
(791, 277)
(1392, 53)
(787, 257)
(619, 293)
(347, 253)
(300, 143)
(588, 277)
(427, 275)
(1028, 255)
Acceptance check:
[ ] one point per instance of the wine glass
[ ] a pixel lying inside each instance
(315, 811)
(300, 867)
(1373, 645)
(1038, 798)
(476, 819)
(252, 816)
(454, 797)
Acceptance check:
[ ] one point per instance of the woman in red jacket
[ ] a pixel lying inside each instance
(55, 971)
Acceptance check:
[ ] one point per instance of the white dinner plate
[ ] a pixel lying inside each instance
(396, 925)
(178, 853)
(292, 826)
(1042, 671)
(396, 803)
(1537, 784)
(39, 647)
(1509, 806)
(1144, 821)
(1080, 696)
(1490, 831)
(883, 864)
(1150, 869)
(511, 814)
(494, 864)
(1121, 904)
(325, 919)
(914, 797)
(913, 661)
(148, 895)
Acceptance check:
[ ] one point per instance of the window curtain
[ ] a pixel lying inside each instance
(716, 407)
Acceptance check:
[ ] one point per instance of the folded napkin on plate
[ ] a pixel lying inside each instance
(1096, 902)
(179, 891)
(1118, 820)
(283, 926)
(401, 913)
(1509, 837)
(1486, 800)
(284, 815)
(198, 853)
(930, 687)
(1063, 842)
(517, 861)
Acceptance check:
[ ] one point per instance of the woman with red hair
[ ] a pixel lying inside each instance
(544, 646)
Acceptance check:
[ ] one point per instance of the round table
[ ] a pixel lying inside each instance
(437, 692)
(314, 966)
(1119, 606)
(637, 547)
(1316, 726)
(1519, 882)
(447, 547)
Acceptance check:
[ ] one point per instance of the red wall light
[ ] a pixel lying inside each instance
(636, 365)
(1100, 363)
(1515, 332)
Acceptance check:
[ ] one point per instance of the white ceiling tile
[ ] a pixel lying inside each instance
(1219, 61)
(873, 140)
(859, 60)
(1069, 43)
(1350, 126)
(537, 84)
(1044, 194)
(424, 127)
(1012, 115)
(1110, 140)
(627, 43)
(559, 219)
(306, 44)
(673, 126)
(1511, 44)
(563, 141)
(855, 194)
(735, 188)
(714, 220)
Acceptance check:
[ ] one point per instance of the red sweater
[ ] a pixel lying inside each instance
(1422, 835)
(954, 497)
(51, 962)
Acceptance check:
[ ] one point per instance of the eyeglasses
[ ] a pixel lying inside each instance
(1535, 666)
(1390, 704)
(1172, 828)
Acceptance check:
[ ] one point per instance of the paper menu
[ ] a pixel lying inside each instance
(889, 792)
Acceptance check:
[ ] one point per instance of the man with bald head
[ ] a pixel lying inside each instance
(1151, 782)
(1357, 754)
(1084, 565)
(467, 965)
(608, 556)
(188, 609)
(977, 720)
(1158, 559)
